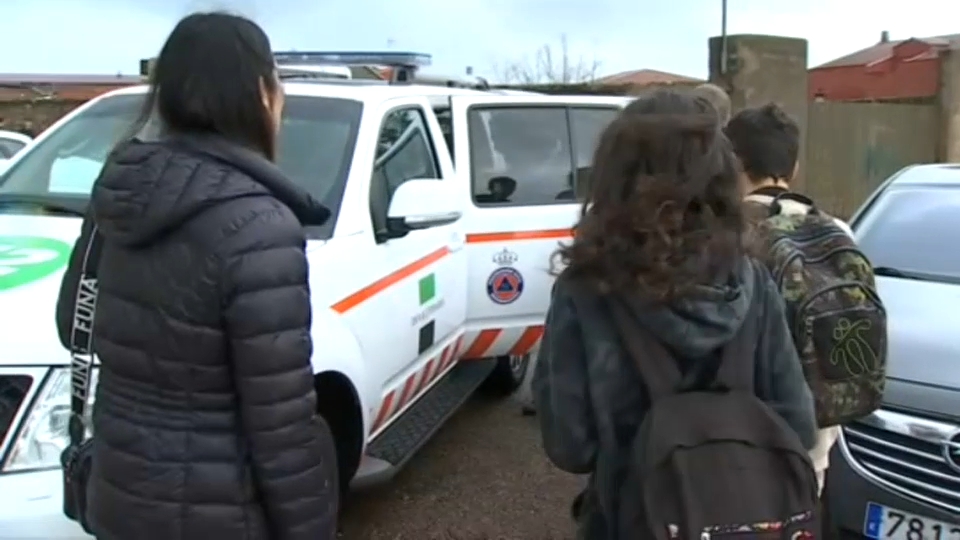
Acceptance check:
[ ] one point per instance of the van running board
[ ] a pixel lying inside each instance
(391, 450)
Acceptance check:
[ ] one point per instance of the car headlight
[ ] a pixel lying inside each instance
(43, 435)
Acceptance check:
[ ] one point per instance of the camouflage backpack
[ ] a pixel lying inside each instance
(838, 322)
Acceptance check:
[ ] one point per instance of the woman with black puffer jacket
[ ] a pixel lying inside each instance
(205, 416)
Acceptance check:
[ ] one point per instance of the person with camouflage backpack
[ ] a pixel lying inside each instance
(836, 317)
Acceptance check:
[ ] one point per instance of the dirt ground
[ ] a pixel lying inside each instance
(483, 477)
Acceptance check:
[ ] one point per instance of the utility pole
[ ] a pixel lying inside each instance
(723, 37)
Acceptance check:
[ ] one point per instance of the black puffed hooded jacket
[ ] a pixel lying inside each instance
(205, 416)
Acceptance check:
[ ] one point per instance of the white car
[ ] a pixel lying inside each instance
(11, 142)
(430, 281)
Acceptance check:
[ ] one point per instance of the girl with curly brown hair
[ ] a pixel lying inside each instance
(661, 234)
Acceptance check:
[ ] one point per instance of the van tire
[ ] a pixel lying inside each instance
(338, 404)
(507, 376)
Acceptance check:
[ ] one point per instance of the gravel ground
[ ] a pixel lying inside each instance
(484, 476)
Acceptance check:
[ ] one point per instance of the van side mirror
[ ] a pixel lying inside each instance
(422, 204)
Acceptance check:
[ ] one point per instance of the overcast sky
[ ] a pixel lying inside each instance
(110, 36)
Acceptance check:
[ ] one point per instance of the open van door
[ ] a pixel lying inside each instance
(526, 159)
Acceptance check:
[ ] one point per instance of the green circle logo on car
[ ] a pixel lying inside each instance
(25, 259)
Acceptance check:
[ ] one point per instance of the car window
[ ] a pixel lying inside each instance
(445, 119)
(404, 152)
(9, 147)
(315, 148)
(13, 389)
(523, 156)
(586, 126)
(910, 228)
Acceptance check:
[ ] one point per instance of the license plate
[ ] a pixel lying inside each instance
(885, 523)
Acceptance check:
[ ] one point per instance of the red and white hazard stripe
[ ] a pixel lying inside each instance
(418, 382)
(503, 341)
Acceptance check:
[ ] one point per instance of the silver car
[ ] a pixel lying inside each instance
(896, 474)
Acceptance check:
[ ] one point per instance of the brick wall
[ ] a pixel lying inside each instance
(34, 116)
(888, 80)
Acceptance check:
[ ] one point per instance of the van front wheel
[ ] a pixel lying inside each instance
(507, 376)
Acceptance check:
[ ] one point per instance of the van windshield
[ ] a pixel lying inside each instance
(315, 149)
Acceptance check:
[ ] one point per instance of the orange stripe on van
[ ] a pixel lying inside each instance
(388, 281)
(481, 238)
(385, 410)
(527, 340)
(482, 343)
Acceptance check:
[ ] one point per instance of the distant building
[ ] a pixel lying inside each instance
(640, 79)
(35, 87)
(907, 69)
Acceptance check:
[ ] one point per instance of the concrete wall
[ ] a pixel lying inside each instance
(854, 147)
(949, 106)
(761, 69)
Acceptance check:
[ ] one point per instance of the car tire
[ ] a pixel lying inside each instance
(507, 376)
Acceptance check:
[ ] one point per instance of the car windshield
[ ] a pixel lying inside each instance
(9, 147)
(315, 149)
(910, 229)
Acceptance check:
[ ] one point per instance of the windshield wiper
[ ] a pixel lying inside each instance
(71, 206)
(889, 271)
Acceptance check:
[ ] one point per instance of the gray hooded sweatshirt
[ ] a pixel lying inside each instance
(589, 395)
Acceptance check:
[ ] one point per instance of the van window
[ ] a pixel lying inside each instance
(523, 156)
(315, 149)
(404, 152)
(586, 126)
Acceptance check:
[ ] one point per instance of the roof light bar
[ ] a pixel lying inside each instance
(405, 64)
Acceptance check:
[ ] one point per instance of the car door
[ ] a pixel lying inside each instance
(526, 160)
(417, 309)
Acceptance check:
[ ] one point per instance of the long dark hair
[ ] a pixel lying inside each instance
(663, 213)
(207, 80)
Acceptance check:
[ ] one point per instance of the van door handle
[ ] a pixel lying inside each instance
(457, 241)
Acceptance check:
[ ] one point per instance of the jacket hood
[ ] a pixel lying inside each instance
(149, 188)
(696, 327)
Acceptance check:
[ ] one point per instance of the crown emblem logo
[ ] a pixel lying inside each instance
(505, 257)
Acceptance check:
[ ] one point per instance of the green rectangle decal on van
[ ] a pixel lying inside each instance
(428, 288)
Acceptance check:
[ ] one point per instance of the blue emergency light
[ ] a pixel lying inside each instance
(404, 64)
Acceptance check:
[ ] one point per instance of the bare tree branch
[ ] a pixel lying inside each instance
(549, 65)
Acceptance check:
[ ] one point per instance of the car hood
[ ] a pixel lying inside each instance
(34, 251)
(923, 329)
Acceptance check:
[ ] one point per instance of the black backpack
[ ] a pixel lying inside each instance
(711, 460)
(838, 322)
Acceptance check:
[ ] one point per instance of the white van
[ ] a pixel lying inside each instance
(430, 281)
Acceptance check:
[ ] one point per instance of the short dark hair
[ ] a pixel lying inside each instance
(766, 140)
(717, 98)
(663, 212)
(207, 80)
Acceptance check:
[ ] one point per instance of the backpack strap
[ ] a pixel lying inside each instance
(738, 359)
(81, 337)
(658, 369)
(737, 365)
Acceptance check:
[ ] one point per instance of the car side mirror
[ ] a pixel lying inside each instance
(424, 203)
